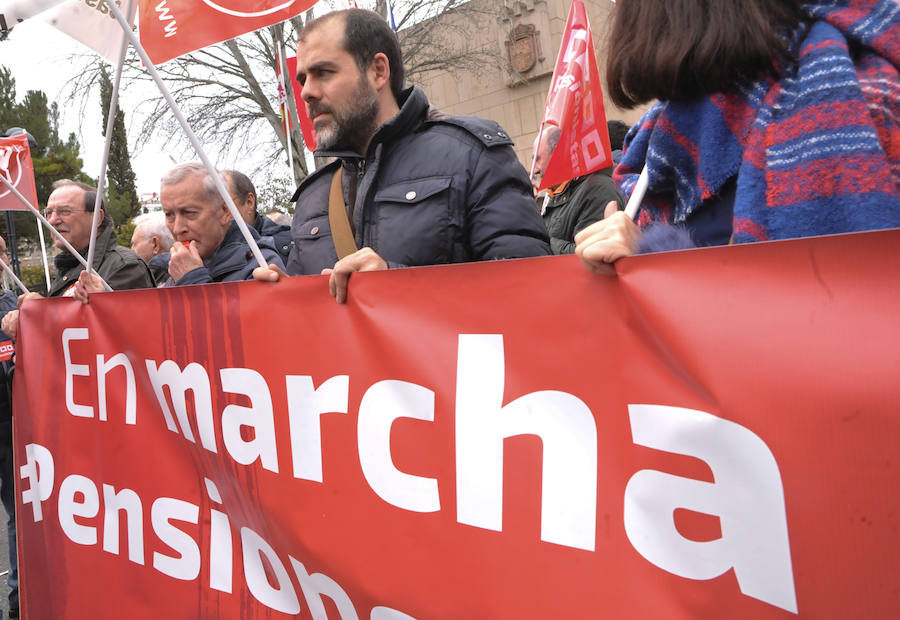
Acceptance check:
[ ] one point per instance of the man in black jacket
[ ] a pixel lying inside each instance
(243, 193)
(575, 204)
(416, 187)
(8, 303)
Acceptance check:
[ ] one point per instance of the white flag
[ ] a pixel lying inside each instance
(92, 24)
(14, 11)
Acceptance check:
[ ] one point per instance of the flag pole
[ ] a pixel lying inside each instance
(49, 226)
(12, 274)
(44, 254)
(110, 121)
(214, 174)
(637, 194)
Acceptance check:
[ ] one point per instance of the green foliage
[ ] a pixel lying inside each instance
(120, 176)
(274, 193)
(61, 161)
(33, 278)
(124, 233)
(52, 158)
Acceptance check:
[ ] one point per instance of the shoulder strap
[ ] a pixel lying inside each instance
(341, 234)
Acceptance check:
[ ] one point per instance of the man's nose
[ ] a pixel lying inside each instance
(310, 91)
(179, 225)
(54, 219)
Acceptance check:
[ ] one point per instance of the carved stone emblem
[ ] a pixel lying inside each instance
(523, 47)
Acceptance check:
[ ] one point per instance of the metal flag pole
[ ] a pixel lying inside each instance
(44, 254)
(44, 221)
(214, 174)
(110, 121)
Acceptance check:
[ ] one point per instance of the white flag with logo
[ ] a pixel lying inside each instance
(92, 23)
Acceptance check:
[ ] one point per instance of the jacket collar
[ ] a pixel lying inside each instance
(413, 110)
(106, 239)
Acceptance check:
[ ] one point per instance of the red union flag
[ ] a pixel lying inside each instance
(306, 126)
(575, 105)
(15, 166)
(170, 28)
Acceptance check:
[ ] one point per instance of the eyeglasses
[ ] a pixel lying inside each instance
(62, 212)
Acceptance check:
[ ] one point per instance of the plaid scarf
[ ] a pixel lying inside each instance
(816, 151)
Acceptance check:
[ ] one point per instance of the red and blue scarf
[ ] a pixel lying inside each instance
(815, 151)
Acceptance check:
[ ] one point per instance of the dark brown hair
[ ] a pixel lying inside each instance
(366, 33)
(682, 49)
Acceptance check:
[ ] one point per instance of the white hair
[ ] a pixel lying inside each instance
(194, 168)
(154, 224)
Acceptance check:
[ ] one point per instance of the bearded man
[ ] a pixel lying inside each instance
(409, 185)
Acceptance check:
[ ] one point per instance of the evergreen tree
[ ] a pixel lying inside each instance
(121, 193)
(7, 99)
(52, 158)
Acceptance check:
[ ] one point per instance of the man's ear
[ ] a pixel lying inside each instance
(101, 219)
(380, 71)
(250, 201)
(154, 243)
(225, 215)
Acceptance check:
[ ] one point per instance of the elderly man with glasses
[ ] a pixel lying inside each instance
(70, 209)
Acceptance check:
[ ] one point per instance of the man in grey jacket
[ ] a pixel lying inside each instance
(70, 210)
(416, 187)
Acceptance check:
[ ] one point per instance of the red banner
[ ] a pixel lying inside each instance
(575, 105)
(706, 434)
(17, 169)
(306, 126)
(170, 29)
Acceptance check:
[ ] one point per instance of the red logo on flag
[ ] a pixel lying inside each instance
(7, 349)
(16, 168)
(170, 29)
(575, 105)
(306, 126)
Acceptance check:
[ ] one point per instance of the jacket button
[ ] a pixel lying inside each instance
(488, 137)
(65, 278)
(410, 195)
(314, 231)
(501, 134)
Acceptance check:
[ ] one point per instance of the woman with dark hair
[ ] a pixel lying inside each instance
(776, 119)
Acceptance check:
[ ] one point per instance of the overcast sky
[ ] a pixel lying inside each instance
(38, 55)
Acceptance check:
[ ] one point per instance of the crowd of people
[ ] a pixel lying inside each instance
(773, 119)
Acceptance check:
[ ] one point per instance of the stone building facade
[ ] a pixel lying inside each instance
(524, 36)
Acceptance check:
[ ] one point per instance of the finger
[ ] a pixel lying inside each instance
(278, 270)
(611, 207)
(337, 284)
(594, 229)
(598, 268)
(266, 275)
(81, 295)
